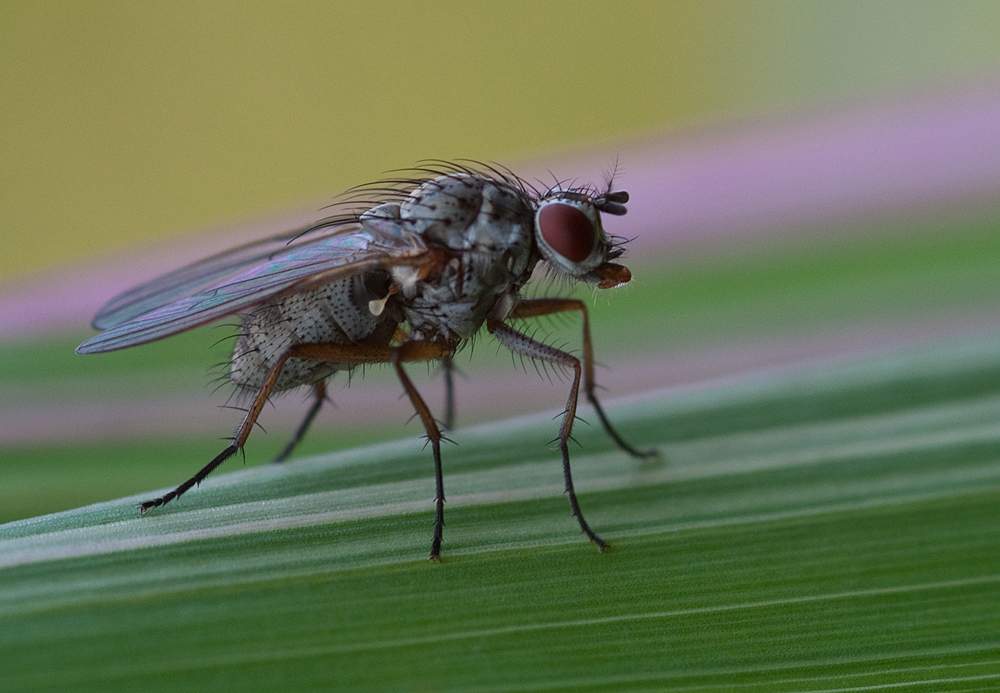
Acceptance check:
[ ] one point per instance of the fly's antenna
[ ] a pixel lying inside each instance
(612, 202)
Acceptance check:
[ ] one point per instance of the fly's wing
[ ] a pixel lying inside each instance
(310, 264)
(203, 274)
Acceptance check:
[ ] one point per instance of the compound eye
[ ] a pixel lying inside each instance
(567, 231)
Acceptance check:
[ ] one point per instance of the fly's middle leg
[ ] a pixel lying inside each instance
(421, 351)
(319, 397)
(448, 370)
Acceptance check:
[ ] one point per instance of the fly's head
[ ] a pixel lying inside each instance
(570, 237)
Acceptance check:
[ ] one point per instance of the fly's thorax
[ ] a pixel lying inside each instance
(480, 230)
(465, 212)
(348, 311)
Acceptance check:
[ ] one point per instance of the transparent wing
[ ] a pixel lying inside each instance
(201, 275)
(211, 289)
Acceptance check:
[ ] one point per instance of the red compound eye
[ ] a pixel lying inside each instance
(567, 231)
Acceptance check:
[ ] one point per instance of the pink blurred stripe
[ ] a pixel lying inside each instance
(902, 156)
(50, 416)
(899, 157)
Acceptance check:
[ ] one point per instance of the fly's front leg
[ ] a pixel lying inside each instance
(521, 343)
(531, 308)
(319, 397)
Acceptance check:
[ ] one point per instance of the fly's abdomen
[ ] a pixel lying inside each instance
(341, 312)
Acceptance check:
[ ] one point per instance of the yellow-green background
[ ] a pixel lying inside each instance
(833, 528)
(122, 121)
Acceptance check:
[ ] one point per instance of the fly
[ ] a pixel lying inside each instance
(408, 270)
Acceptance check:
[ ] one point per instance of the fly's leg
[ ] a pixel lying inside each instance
(521, 343)
(193, 481)
(319, 397)
(242, 433)
(531, 308)
(448, 370)
(348, 355)
(419, 350)
(414, 351)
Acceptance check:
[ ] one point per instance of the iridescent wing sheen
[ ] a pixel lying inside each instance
(202, 274)
(233, 281)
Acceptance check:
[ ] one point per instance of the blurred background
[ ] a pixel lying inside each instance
(809, 180)
(125, 122)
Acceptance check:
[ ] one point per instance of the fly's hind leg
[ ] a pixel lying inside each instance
(530, 308)
(238, 441)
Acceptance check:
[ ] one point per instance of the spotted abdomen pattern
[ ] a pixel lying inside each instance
(347, 311)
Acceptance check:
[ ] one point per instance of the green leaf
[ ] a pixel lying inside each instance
(825, 529)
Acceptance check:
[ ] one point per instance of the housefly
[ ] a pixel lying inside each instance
(407, 270)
